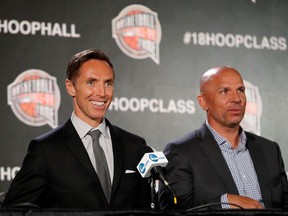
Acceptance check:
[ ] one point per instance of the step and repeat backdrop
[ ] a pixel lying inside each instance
(159, 50)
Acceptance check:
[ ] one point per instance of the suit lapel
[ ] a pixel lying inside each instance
(214, 154)
(77, 148)
(118, 152)
(260, 165)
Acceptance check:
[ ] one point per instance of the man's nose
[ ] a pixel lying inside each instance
(100, 90)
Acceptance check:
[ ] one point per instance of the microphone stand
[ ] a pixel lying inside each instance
(152, 193)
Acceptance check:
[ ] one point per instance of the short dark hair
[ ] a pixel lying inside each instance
(80, 58)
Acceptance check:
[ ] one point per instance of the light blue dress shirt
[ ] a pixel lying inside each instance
(241, 167)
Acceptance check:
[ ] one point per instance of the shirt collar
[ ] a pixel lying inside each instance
(221, 140)
(83, 128)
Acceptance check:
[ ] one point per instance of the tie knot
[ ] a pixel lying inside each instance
(95, 134)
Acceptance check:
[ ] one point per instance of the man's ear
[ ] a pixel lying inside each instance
(70, 87)
(202, 102)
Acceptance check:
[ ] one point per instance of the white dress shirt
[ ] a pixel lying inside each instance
(83, 128)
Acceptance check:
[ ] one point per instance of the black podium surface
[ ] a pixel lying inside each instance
(61, 212)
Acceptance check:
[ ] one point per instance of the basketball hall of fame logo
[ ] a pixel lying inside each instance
(137, 32)
(252, 117)
(34, 98)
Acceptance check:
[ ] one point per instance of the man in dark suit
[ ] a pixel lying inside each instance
(221, 164)
(60, 169)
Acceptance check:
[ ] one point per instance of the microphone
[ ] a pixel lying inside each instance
(151, 160)
(151, 164)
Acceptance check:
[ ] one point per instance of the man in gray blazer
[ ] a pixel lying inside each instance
(60, 169)
(220, 164)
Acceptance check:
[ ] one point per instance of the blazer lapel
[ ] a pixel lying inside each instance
(260, 165)
(214, 154)
(77, 148)
(118, 152)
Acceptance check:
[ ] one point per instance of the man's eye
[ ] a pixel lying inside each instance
(109, 83)
(242, 90)
(224, 91)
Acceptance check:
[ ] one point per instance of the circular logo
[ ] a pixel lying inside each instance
(252, 118)
(34, 97)
(137, 32)
(153, 157)
(142, 167)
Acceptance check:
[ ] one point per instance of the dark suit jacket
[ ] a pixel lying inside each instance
(199, 174)
(57, 173)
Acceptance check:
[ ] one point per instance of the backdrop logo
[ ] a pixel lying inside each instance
(251, 120)
(34, 97)
(137, 32)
